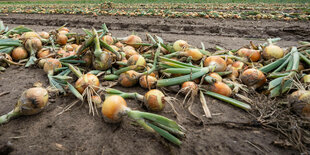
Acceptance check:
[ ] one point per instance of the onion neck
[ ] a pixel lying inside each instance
(7, 117)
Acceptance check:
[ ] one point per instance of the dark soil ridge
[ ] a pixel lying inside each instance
(294, 30)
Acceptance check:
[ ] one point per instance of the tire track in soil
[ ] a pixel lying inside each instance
(213, 27)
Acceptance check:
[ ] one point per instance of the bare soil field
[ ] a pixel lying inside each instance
(230, 131)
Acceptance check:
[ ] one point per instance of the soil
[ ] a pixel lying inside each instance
(230, 131)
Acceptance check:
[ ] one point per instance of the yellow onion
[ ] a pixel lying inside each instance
(306, 79)
(104, 62)
(129, 78)
(189, 87)
(234, 73)
(253, 78)
(220, 88)
(50, 65)
(61, 39)
(251, 54)
(62, 53)
(64, 29)
(87, 80)
(43, 53)
(229, 61)
(154, 100)
(74, 46)
(41, 63)
(273, 51)
(137, 60)
(28, 35)
(69, 47)
(112, 108)
(147, 81)
(19, 53)
(129, 51)
(119, 45)
(35, 43)
(107, 39)
(300, 102)
(194, 53)
(238, 65)
(216, 76)
(180, 45)
(218, 62)
(44, 35)
(63, 32)
(96, 99)
(132, 40)
(88, 59)
(7, 57)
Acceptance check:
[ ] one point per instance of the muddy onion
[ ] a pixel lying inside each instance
(87, 80)
(19, 53)
(62, 39)
(137, 60)
(220, 88)
(253, 55)
(104, 62)
(273, 51)
(300, 102)
(253, 78)
(129, 78)
(32, 101)
(113, 108)
(154, 100)
(180, 45)
(218, 62)
(147, 81)
(50, 65)
(189, 87)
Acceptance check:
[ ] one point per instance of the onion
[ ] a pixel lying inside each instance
(63, 32)
(96, 99)
(69, 48)
(300, 102)
(253, 55)
(43, 53)
(306, 79)
(229, 61)
(253, 78)
(218, 62)
(238, 65)
(41, 63)
(112, 108)
(19, 53)
(234, 73)
(35, 43)
(137, 60)
(129, 51)
(216, 76)
(189, 87)
(194, 53)
(75, 46)
(28, 35)
(154, 100)
(44, 35)
(119, 45)
(62, 39)
(273, 51)
(180, 45)
(62, 53)
(3, 63)
(64, 29)
(129, 78)
(108, 39)
(147, 81)
(132, 40)
(88, 59)
(104, 62)
(32, 101)
(87, 80)
(220, 88)
(50, 65)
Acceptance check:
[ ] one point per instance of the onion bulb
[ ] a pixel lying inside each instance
(19, 53)
(189, 87)
(129, 78)
(32, 101)
(129, 51)
(28, 35)
(218, 62)
(119, 45)
(194, 53)
(273, 51)
(137, 60)
(154, 100)
(300, 102)
(43, 53)
(251, 54)
(96, 99)
(44, 35)
(41, 63)
(62, 39)
(64, 29)
(180, 45)
(216, 76)
(104, 62)
(238, 65)
(306, 79)
(50, 65)
(132, 40)
(253, 78)
(220, 88)
(147, 81)
(35, 43)
(87, 80)
(107, 39)
(113, 108)
(88, 59)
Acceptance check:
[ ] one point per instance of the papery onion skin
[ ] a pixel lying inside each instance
(35, 43)
(253, 55)
(147, 82)
(154, 100)
(50, 65)
(180, 45)
(194, 53)
(253, 78)
(19, 53)
(112, 108)
(216, 76)
(61, 39)
(32, 101)
(221, 88)
(137, 60)
(220, 63)
(87, 80)
(107, 39)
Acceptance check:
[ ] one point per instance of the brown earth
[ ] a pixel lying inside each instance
(230, 131)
